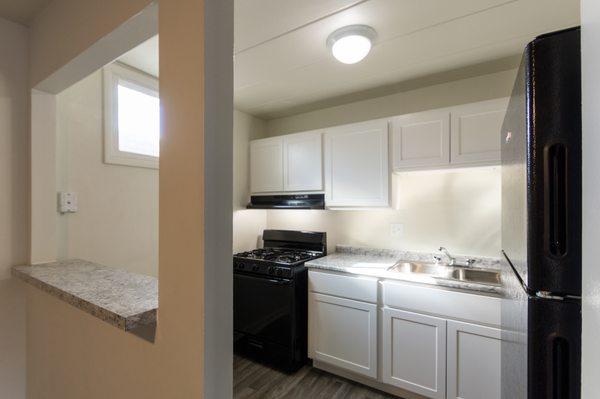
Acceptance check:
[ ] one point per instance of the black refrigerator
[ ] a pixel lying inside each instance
(541, 223)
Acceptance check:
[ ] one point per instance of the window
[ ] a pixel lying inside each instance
(132, 117)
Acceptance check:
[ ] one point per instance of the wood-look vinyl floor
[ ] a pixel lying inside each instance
(253, 381)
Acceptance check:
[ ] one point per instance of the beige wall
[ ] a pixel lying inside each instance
(117, 221)
(459, 209)
(72, 355)
(54, 44)
(247, 224)
(14, 153)
(14, 199)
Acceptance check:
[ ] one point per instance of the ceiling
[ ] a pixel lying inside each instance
(282, 65)
(281, 60)
(144, 57)
(21, 11)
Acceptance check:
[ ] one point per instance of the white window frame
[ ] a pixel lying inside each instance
(115, 74)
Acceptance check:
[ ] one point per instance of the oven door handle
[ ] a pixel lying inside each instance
(279, 282)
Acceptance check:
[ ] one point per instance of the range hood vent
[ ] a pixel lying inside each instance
(291, 201)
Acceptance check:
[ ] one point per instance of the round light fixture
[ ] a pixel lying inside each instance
(351, 44)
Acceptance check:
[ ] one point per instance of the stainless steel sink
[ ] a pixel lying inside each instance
(456, 273)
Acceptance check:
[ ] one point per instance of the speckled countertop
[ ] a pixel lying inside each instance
(126, 300)
(374, 262)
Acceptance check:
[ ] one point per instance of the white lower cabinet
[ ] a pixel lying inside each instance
(473, 361)
(343, 333)
(411, 332)
(414, 352)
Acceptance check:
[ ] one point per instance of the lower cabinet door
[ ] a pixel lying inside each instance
(414, 352)
(473, 361)
(343, 333)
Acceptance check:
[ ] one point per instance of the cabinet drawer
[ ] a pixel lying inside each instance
(354, 287)
(450, 304)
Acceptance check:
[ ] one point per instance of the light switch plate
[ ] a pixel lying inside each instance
(396, 230)
(67, 202)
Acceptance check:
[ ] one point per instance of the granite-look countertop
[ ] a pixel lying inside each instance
(374, 262)
(126, 300)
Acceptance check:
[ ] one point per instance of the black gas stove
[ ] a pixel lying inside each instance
(270, 297)
(279, 262)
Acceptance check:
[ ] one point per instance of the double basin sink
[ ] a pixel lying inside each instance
(446, 272)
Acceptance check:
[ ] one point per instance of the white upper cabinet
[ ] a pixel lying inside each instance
(287, 163)
(302, 162)
(473, 361)
(476, 132)
(356, 165)
(466, 135)
(421, 139)
(266, 165)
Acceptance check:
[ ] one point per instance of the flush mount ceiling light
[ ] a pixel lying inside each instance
(351, 44)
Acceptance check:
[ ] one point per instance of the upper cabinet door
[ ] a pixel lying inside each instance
(421, 140)
(356, 165)
(266, 165)
(476, 132)
(302, 162)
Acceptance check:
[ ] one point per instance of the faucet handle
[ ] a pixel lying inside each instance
(470, 261)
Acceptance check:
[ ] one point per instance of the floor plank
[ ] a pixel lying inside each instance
(252, 380)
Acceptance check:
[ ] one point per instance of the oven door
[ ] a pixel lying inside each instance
(264, 307)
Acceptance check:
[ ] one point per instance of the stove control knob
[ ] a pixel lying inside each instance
(239, 265)
(254, 268)
(271, 270)
(279, 272)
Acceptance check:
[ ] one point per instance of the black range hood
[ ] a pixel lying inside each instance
(289, 201)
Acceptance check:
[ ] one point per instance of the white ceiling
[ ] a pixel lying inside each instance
(282, 63)
(144, 57)
(21, 11)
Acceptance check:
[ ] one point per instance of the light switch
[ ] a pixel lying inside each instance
(67, 202)
(396, 230)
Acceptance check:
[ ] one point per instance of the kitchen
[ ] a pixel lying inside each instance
(379, 208)
(392, 203)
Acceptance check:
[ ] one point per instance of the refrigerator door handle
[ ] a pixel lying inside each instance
(555, 200)
(561, 375)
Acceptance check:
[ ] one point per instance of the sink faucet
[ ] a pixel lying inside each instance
(451, 259)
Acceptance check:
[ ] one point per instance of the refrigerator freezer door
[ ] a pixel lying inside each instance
(541, 166)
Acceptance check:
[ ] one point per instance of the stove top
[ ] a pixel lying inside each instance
(280, 256)
(283, 255)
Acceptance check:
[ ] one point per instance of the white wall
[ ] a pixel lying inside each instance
(14, 200)
(117, 221)
(247, 224)
(462, 91)
(590, 22)
(459, 209)
(456, 209)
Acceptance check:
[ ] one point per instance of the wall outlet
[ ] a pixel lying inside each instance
(396, 230)
(67, 202)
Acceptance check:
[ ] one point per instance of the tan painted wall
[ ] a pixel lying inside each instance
(117, 221)
(247, 224)
(14, 154)
(54, 44)
(72, 355)
(456, 209)
(14, 204)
